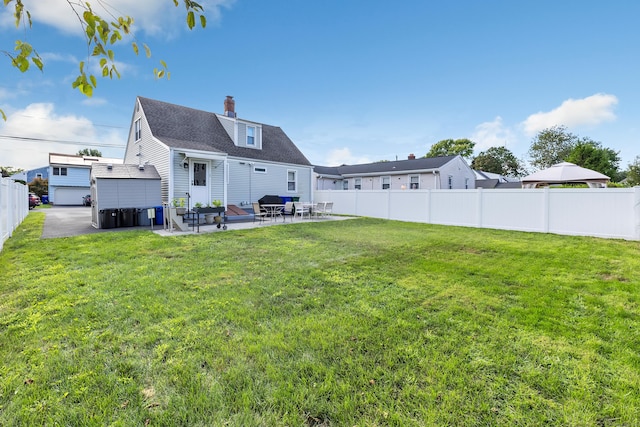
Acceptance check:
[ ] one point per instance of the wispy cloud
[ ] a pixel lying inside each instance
(492, 134)
(591, 110)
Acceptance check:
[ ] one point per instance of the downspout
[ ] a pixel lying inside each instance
(438, 180)
(172, 153)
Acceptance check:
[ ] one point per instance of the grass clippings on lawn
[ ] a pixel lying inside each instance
(361, 322)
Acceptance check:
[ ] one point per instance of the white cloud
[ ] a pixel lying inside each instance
(43, 132)
(591, 110)
(492, 134)
(157, 17)
(343, 156)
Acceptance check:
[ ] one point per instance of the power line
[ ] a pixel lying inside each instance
(60, 141)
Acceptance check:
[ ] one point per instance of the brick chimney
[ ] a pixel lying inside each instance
(412, 156)
(229, 107)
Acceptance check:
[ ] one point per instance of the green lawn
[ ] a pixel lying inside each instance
(346, 323)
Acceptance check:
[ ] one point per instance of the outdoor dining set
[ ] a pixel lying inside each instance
(274, 211)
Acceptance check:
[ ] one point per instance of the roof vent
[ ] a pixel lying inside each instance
(141, 167)
(109, 166)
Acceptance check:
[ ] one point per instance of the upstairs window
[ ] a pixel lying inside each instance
(251, 136)
(138, 130)
(292, 182)
(60, 171)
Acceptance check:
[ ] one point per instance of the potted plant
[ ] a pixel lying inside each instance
(179, 205)
(217, 204)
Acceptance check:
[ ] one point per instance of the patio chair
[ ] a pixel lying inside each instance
(258, 212)
(300, 209)
(318, 210)
(328, 208)
(288, 211)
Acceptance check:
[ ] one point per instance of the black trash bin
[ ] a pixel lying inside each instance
(142, 217)
(108, 218)
(127, 217)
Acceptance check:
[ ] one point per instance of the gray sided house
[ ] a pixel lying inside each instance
(208, 156)
(115, 187)
(446, 172)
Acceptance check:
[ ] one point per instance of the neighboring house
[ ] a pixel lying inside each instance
(69, 177)
(42, 173)
(207, 156)
(446, 172)
(494, 180)
(30, 175)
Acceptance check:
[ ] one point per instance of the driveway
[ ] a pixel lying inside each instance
(68, 221)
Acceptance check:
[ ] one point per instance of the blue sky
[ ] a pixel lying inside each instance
(348, 81)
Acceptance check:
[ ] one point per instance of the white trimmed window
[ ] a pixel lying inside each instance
(358, 184)
(386, 182)
(345, 184)
(251, 136)
(138, 130)
(60, 171)
(292, 181)
(466, 183)
(450, 182)
(414, 182)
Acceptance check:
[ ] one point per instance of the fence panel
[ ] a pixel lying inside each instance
(607, 212)
(14, 207)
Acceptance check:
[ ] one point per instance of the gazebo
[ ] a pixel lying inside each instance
(565, 173)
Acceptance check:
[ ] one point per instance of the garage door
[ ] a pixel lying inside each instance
(70, 196)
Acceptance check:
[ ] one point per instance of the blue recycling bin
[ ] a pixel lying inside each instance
(159, 217)
(45, 199)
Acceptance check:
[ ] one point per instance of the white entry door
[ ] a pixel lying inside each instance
(200, 187)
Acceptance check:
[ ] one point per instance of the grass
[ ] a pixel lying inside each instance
(358, 323)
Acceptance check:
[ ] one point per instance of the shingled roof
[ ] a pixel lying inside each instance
(190, 129)
(398, 166)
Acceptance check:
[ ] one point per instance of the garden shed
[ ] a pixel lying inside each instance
(121, 194)
(565, 173)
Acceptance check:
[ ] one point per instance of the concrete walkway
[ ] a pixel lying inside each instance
(68, 221)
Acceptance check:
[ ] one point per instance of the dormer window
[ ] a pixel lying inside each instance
(251, 136)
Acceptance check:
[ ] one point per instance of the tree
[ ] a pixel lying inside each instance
(7, 171)
(91, 152)
(592, 155)
(633, 172)
(102, 30)
(499, 160)
(39, 186)
(551, 146)
(450, 147)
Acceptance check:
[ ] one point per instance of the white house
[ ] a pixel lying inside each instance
(203, 156)
(69, 177)
(446, 172)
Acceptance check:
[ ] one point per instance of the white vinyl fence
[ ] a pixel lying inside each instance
(598, 212)
(14, 207)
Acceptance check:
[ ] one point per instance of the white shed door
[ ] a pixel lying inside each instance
(70, 196)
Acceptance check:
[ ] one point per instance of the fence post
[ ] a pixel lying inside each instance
(428, 206)
(479, 207)
(546, 208)
(636, 212)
